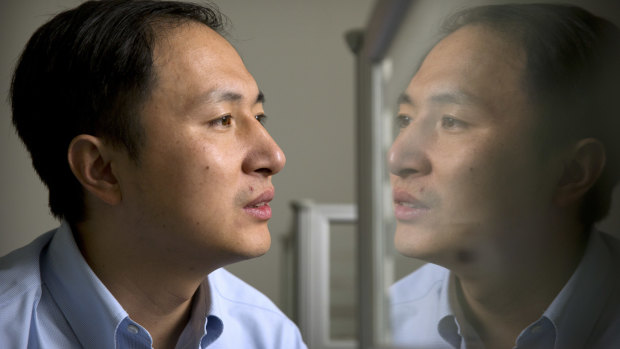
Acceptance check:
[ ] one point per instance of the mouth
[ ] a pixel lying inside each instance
(408, 208)
(259, 207)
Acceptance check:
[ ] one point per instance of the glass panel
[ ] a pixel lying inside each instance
(415, 37)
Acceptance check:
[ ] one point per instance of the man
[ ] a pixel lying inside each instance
(146, 127)
(505, 159)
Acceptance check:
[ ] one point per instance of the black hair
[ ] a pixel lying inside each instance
(572, 75)
(88, 71)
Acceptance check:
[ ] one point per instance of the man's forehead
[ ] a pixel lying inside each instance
(472, 66)
(167, 31)
(485, 44)
(200, 67)
(193, 40)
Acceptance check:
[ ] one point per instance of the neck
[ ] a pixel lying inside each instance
(504, 299)
(154, 288)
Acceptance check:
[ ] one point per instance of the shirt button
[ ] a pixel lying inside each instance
(133, 329)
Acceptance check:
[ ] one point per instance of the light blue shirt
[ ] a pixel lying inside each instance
(50, 298)
(585, 314)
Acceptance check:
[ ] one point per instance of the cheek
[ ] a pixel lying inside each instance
(491, 164)
(463, 170)
(182, 167)
(220, 162)
(474, 181)
(215, 175)
(498, 186)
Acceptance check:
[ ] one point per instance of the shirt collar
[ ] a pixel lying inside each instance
(96, 316)
(205, 324)
(453, 326)
(91, 310)
(573, 317)
(448, 326)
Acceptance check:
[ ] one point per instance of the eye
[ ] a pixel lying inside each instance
(402, 121)
(450, 123)
(262, 118)
(225, 121)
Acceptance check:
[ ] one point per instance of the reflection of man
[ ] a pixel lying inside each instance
(505, 159)
(147, 129)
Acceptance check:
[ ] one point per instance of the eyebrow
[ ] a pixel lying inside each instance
(227, 96)
(452, 96)
(218, 96)
(404, 99)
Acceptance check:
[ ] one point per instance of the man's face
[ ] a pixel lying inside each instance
(469, 177)
(202, 184)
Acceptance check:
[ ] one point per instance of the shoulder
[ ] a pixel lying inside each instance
(424, 282)
(19, 270)
(20, 291)
(233, 290)
(607, 324)
(248, 313)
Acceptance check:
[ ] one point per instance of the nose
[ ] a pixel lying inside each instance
(264, 158)
(407, 156)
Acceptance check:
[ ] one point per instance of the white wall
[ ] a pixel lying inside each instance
(295, 50)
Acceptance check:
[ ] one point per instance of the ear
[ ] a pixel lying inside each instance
(90, 163)
(584, 165)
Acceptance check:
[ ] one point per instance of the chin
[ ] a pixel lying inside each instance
(411, 243)
(254, 245)
(410, 251)
(407, 248)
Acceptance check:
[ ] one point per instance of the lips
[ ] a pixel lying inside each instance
(407, 207)
(259, 207)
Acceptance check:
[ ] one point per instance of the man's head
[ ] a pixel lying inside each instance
(89, 70)
(506, 124)
(142, 113)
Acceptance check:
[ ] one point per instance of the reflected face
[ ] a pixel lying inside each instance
(202, 185)
(468, 175)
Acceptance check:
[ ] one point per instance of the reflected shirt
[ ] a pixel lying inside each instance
(425, 313)
(50, 298)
